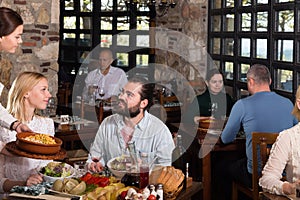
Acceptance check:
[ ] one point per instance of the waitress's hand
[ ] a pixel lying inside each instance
(95, 167)
(23, 128)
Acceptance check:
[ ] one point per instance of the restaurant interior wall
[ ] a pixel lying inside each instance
(39, 51)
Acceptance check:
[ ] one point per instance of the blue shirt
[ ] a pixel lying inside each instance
(262, 112)
(151, 136)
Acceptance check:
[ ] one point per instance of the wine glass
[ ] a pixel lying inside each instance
(101, 92)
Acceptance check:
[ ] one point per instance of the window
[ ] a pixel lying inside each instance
(242, 33)
(86, 24)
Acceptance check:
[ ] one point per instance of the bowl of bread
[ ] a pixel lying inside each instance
(38, 143)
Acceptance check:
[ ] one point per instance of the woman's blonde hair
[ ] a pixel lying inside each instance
(21, 85)
(296, 111)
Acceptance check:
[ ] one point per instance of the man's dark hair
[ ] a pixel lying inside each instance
(146, 90)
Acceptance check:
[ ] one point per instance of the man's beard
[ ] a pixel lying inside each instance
(128, 112)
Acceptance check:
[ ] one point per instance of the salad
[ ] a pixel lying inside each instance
(57, 169)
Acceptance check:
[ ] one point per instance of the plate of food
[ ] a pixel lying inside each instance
(38, 143)
(56, 170)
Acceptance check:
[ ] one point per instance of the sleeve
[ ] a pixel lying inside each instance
(96, 146)
(6, 119)
(272, 172)
(165, 147)
(191, 112)
(233, 124)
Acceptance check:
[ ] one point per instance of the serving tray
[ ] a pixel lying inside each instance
(12, 147)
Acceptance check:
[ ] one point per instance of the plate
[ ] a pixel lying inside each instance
(51, 179)
(12, 147)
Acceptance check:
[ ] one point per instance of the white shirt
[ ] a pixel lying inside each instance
(112, 82)
(20, 168)
(151, 136)
(6, 119)
(285, 154)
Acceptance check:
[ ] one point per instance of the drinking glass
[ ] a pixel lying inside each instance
(101, 92)
(80, 167)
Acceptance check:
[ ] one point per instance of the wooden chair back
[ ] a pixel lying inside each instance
(171, 109)
(261, 146)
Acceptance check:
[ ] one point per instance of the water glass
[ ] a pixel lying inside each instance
(80, 167)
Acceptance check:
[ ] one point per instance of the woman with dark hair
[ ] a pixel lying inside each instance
(213, 102)
(11, 29)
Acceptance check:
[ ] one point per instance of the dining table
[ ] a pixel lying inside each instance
(209, 140)
(269, 196)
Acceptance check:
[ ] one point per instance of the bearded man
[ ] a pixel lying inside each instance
(132, 123)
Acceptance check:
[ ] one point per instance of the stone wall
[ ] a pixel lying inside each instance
(39, 51)
(186, 43)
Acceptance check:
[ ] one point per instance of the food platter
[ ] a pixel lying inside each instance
(12, 147)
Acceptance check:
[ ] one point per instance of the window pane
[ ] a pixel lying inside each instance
(281, 1)
(229, 24)
(85, 23)
(69, 39)
(142, 23)
(69, 22)
(121, 5)
(69, 5)
(284, 80)
(216, 3)
(217, 63)
(122, 59)
(216, 25)
(285, 50)
(142, 60)
(229, 70)
(244, 70)
(106, 23)
(262, 1)
(228, 46)
(245, 47)
(246, 22)
(86, 5)
(122, 23)
(123, 40)
(285, 21)
(106, 40)
(230, 3)
(142, 40)
(68, 54)
(262, 21)
(246, 3)
(216, 45)
(106, 5)
(85, 40)
(261, 48)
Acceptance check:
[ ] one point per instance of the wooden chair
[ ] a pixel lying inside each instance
(260, 142)
(171, 109)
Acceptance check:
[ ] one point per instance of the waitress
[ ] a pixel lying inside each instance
(11, 29)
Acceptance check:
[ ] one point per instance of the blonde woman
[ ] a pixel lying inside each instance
(29, 93)
(285, 154)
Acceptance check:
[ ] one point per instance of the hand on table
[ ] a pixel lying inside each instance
(34, 179)
(95, 167)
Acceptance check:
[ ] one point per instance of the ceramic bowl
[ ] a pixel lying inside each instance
(38, 148)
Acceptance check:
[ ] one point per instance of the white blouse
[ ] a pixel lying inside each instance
(285, 154)
(20, 168)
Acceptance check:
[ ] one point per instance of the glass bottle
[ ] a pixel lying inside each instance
(144, 171)
(178, 160)
(160, 191)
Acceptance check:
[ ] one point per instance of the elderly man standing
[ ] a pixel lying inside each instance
(132, 123)
(263, 111)
(107, 78)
